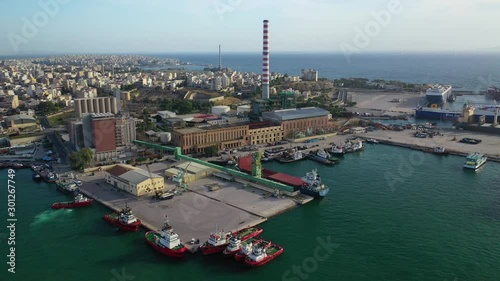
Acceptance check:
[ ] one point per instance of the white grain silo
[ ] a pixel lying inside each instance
(220, 109)
(243, 109)
(165, 137)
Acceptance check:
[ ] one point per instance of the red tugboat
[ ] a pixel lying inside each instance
(167, 242)
(79, 201)
(239, 237)
(124, 220)
(247, 246)
(261, 255)
(219, 241)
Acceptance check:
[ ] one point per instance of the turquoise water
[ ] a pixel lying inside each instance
(437, 222)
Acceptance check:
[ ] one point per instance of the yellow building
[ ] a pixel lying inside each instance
(192, 171)
(193, 140)
(263, 133)
(134, 180)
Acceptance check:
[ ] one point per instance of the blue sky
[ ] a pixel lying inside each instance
(142, 26)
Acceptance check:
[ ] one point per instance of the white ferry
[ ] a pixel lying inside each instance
(475, 160)
(438, 94)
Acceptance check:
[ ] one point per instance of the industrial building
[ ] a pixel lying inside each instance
(264, 132)
(134, 180)
(299, 120)
(190, 171)
(20, 121)
(105, 133)
(96, 105)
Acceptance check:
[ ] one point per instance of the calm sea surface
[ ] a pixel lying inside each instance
(392, 213)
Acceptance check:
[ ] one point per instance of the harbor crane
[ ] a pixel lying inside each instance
(179, 179)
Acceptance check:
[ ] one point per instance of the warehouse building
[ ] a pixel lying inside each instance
(299, 120)
(134, 180)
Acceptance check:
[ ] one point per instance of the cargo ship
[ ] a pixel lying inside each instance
(124, 220)
(436, 114)
(167, 242)
(79, 201)
(261, 255)
(438, 94)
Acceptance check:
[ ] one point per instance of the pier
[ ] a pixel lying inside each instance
(196, 212)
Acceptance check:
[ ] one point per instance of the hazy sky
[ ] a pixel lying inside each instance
(117, 26)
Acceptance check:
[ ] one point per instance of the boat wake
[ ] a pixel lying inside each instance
(49, 215)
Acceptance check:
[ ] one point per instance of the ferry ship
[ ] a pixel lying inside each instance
(475, 160)
(438, 94)
(313, 186)
(167, 242)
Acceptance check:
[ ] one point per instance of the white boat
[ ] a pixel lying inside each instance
(337, 150)
(323, 154)
(475, 160)
(357, 146)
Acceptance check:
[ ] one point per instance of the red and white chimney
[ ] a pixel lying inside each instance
(266, 75)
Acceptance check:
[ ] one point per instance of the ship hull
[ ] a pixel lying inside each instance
(71, 205)
(114, 221)
(256, 231)
(239, 256)
(177, 253)
(209, 250)
(436, 114)
(320, 160)
(474, 167)
(317, 194)
(230, 253)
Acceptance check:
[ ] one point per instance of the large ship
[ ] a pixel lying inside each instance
(79, 201)
(475, 160)
(124, 220)
(167, 242)
(438, 94)
(436, 114)
(261, 254)
(313, 185)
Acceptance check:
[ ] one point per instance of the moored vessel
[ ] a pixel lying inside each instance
(313, 185)
(438, 94)
(475, 161)
(247, 246)
(261, 255)
(216, 243)
(291, 156)
(79, 201)
(166, 242)
(321, 156)
(337, 150)
(439, 150)
(124, 220)
(67, 187)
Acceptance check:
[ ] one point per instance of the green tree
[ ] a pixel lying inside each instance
(81, 159)
(212, 150)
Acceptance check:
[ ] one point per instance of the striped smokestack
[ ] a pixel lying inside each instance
(265, 62)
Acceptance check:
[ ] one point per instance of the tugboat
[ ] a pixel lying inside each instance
(80, 201)
(313, 186)
(239, 237)
(261, 255)
(216, 243)
(337, 151)
(124, 220)
(247, 246)
(167, 242)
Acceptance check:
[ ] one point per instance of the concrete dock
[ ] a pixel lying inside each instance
(194, 213)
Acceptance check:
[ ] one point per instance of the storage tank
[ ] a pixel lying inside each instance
(165, 137)
(220, 109)
(242, 109)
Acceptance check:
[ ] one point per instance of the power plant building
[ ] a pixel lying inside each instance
(96, 105)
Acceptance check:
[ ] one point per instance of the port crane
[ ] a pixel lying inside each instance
(179, 179)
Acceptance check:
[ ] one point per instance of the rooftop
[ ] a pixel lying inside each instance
(118, 170)
(19, 117)
(138, 176)
(299, 113)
